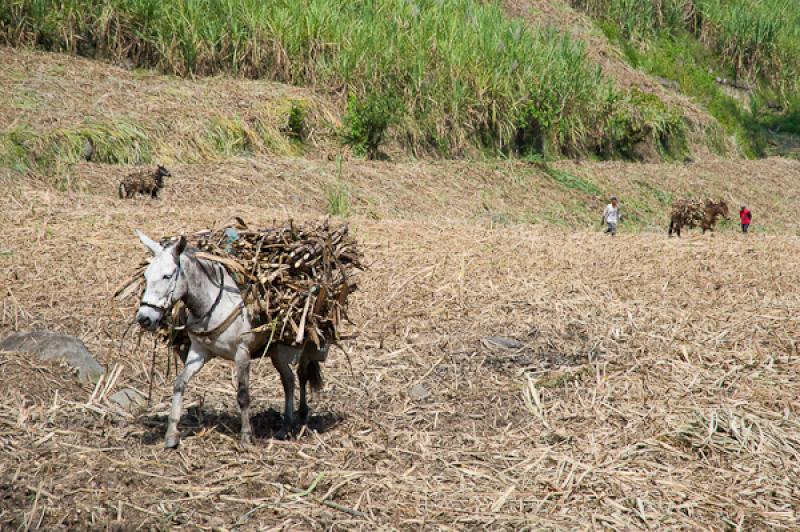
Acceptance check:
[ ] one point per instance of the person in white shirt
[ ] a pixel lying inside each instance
(611, 216)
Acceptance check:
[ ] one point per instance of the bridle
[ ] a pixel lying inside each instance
(165, 309)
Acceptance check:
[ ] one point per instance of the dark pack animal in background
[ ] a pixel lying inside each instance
(146, 182)
(696, 213)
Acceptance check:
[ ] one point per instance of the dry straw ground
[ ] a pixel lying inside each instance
(656, 385)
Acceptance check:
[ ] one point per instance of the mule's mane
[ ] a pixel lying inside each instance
(206, 265)
(209, 269)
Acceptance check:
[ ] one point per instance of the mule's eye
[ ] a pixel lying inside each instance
(167, 276)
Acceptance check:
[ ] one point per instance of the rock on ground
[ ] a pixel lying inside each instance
(48, 345)
(418, 392)
(500, 341)
(128, 399)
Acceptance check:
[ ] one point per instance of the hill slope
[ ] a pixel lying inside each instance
(219, 126)
(705, 134)
(447, 78)
(739, 60)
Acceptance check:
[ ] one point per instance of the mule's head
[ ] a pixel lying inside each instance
(161, 173)
(165, 282)
(723, 209)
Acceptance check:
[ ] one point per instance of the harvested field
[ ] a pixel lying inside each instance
(652, 383)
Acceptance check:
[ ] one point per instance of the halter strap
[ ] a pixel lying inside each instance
(226, 322)
(157, 307)
(210, 310)
(170, 303)
(207, 314)
(222, 326)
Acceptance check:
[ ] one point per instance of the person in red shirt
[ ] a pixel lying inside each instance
(746, 217)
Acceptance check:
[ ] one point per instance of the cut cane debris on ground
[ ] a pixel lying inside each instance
(650, 383)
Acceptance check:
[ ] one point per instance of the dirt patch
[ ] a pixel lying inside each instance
(36, 380)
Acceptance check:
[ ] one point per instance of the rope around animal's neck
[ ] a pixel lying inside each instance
(152, 371)
(207, 314)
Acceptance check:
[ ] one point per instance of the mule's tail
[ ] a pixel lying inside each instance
(314, 372)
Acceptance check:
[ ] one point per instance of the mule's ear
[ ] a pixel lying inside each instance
(154, 247)
(179, 246)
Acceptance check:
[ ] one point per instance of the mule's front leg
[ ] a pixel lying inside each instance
(194, 361)
(243, 393)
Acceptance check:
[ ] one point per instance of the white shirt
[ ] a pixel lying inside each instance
(611, 214)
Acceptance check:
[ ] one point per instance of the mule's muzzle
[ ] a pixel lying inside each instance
(148, 318)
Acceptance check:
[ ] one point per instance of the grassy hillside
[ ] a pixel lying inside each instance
(55, 105)
(752, 46)
(755, 40)
(444, 77)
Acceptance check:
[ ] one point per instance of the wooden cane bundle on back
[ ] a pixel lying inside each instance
(295, 278)
(696, 213)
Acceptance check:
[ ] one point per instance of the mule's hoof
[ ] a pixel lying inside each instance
(245, 439)
(282, 434)
(302, 415)
(171, 442)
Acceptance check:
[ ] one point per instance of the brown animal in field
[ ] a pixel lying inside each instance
(143, 182)
(694, 213)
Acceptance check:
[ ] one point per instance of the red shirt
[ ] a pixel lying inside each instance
(745, 216)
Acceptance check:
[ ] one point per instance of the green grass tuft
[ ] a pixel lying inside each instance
(118, 142)
(573, 182)
(231, 137)
(338, 196)
(297, 120)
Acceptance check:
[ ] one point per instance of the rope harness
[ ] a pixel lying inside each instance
(221, 327)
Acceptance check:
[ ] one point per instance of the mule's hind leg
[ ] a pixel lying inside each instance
(243, 393)
(309, 372)
(194, 361)
(303, 375)
(281, 364)
(304, 370)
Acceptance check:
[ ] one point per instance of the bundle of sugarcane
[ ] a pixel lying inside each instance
(295, 279)
(691, 211)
